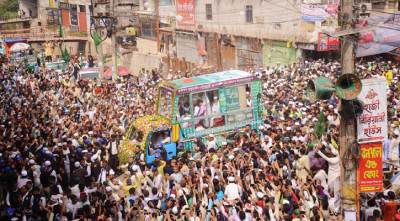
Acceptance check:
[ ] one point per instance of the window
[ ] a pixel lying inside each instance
(52, 16)
(166, 2)
(74, 14)
(206, 110)
(158, 140)
(148, 27)
(136, 134)
(208, 11)
(249, 13)
(238, 103)
(82, 8)
(183, 113)
(165, 103)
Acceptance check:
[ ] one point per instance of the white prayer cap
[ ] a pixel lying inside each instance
(31, 161)
(231, 179)
(260, 195)
(108, 188)
(135, 168)
(77, 164)
(24, 173)
(175, 210)
(47, 163)
(231, 157)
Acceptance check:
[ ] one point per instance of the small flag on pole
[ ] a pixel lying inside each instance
(96, 39)
(65, 55)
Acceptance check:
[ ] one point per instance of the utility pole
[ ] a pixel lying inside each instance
(114, 41)
(347, 129)
(157, 10)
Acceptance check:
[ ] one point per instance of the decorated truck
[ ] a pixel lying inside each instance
(188, 108)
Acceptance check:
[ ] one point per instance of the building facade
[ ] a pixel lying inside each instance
(40, 21)
(245, 34)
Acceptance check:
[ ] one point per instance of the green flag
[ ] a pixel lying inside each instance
(60, 31)
(320, 126)
(65, 55)
(96, 39)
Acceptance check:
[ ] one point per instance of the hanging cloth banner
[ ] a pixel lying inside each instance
(372, 123)
(370, 172)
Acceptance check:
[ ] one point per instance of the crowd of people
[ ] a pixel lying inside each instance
(60, 142)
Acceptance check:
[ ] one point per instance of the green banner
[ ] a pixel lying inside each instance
(232, 98)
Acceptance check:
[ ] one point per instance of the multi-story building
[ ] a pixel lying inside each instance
(39, 21)
(252, 33)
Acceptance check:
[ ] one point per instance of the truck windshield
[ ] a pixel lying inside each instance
(165, 103)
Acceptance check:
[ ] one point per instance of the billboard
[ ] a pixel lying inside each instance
(372, 123)
(370, 172)
(317, 12)
(327, 43)
(185, 12)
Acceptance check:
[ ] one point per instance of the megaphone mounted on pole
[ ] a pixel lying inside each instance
(347, 87)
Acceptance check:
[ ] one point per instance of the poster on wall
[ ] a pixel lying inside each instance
(185, 12)
(327, 43)
(370, 172)
(372, 123)
(317, 12)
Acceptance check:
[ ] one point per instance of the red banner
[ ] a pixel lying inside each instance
(370, 170)
(185, 12)
(326, 43)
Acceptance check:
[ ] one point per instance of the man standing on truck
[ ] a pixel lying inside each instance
(211, 143)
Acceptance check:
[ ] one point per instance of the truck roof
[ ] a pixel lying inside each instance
(207, 81)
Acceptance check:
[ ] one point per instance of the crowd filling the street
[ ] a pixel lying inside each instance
(60, 141)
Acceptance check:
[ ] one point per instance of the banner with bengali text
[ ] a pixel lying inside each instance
(327, 43)
(372, 123)
(185, 12)
(370, 169)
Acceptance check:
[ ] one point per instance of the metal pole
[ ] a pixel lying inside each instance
(114, 43)
(157, 10)
(101, 61)
(347, 129)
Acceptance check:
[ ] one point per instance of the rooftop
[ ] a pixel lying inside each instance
(211, 80)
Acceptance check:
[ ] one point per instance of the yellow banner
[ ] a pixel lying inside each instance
(52, 4)
(175, 132)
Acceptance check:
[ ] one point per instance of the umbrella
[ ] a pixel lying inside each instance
(122, 71)
(19, 47)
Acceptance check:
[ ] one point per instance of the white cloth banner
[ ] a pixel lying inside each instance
(372, 123)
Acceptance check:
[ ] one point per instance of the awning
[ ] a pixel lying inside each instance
(372, 48)
(12, 40)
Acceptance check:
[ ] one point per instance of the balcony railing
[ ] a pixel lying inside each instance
(14, 18)
(101, 1)
(37, 32)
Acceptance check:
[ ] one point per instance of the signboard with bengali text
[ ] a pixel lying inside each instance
(185, 11)
(327, 43)
(372, 123)
(370, 170)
